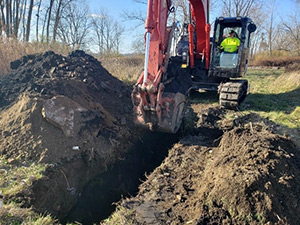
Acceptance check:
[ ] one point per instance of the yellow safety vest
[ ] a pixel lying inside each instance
(230, 44)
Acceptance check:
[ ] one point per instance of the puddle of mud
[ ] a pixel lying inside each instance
(122, 180)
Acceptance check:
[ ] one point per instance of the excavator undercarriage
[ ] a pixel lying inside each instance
(232, 93)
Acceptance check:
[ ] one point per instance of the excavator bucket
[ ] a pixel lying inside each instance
(165, 117)
(163, 109)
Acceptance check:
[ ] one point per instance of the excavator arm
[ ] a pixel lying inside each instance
(200, 25)
(159, 95)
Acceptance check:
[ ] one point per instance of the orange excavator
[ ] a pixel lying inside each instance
(179, 59)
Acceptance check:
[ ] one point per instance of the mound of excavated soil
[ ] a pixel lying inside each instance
(68, 112)
(251, 177)
(90, 101)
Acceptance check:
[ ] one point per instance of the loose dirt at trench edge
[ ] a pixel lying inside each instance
(225, 172)
(68, 113)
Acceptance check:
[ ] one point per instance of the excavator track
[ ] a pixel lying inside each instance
(232, 93)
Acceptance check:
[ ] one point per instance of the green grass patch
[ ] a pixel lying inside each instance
(274, 95)
(15, 215)
(14, 179)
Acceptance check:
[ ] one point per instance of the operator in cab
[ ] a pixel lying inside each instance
(231, 43)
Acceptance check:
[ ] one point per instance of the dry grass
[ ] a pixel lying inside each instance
(121, 216)
(286, 82)
(13, 214)
(11, 49)
(290, 63)
(125, 68)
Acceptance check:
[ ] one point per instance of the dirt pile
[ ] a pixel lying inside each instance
(89, 100)
(66, 112)
(248, 175)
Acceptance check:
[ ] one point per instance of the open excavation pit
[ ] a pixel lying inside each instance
(99, 196)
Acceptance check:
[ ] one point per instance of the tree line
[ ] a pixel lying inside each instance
(68, 22)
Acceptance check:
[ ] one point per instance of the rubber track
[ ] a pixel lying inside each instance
(232, 93)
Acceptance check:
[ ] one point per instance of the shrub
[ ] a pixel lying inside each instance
(290, 63)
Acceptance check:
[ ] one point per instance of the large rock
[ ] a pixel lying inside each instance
(63, 113)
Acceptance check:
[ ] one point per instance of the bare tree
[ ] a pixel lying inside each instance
(23, 17)
(8, 18)
(138, 45)
(60, 6)
(37, 20)
(98, 25)
(291, 39)
(28, 27)
(2, 18)
(49, 20)
(107, 32)
(181, 11)
(57, 18)
(137, 16)
(117, 34)
(234, 8)
(270, 26)
(74, 26)
(16, 18)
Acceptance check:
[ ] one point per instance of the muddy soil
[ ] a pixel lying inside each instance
(226, 172)
(68, 113)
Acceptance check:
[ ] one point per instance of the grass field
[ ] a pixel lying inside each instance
(274, 95)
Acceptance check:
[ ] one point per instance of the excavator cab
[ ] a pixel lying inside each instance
(230, 64)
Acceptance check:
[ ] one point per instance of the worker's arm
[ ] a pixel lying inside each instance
(222, 45)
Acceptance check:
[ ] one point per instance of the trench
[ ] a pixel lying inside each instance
(99, 195)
